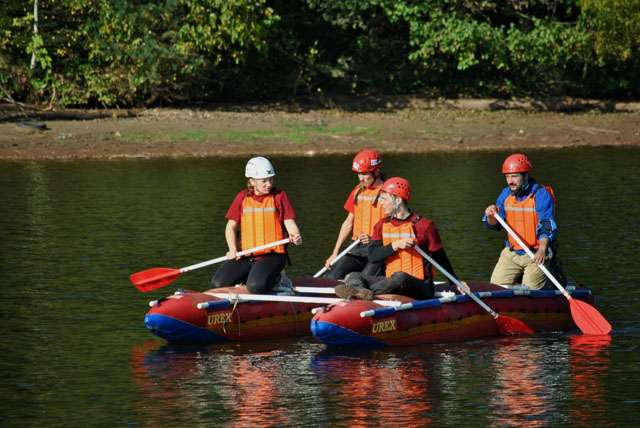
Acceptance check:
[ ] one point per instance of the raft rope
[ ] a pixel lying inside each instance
(235, 299)
(233, 310)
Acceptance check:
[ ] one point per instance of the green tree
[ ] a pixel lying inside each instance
(613, 27)
(130, 52)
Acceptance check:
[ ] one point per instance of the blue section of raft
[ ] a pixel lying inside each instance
(173, 329)
(334, 335)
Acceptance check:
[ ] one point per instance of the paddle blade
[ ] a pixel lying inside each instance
(151, 279)
(588, 319)
(508, 325)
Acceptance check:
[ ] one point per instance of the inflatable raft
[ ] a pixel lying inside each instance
(211, 316)
(453, 317)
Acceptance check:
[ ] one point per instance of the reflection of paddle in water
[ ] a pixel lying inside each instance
(589, 361)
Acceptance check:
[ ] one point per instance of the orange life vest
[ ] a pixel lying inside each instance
(522, 217)
(409, 261)
(366, 211)
(259, 224)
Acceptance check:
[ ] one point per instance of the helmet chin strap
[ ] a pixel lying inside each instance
(395, 207)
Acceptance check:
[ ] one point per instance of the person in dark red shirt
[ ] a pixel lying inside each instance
(264, 215)
(393, 239)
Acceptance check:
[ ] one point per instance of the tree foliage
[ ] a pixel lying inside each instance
(125, 52)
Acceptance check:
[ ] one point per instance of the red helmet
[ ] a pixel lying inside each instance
(516, 163)
(397, 186)
(366, 161)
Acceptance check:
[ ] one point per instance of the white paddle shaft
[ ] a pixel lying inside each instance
(456, 282)
(530, 254)
(240, 254)
(338, 257)
(293, 299)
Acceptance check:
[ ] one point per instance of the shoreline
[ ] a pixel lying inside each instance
(401, 127)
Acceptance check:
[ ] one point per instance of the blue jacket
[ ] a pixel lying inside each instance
(546, 227)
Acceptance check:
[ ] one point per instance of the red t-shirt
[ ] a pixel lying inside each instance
(426, 232)
(283, 205)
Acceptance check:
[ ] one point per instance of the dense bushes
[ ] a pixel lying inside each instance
(126, 52)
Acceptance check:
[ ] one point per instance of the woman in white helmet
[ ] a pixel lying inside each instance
(264, 215)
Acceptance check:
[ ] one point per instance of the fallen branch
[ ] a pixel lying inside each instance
(8, 97)
(68, 115)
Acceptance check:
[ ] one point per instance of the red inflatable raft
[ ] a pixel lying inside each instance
(190, 316)
(443, 319)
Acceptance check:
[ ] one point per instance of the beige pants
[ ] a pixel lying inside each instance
(513, 268)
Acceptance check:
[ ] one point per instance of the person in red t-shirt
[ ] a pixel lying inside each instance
(265, 215)
(364, 211)
(393, 239)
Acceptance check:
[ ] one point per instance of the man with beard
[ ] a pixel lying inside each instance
(529, 209)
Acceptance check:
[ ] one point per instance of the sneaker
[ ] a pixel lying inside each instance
(345, 291)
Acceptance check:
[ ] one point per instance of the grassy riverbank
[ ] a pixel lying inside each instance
(393, 126)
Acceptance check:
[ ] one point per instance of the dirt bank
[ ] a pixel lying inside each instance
(392, 125)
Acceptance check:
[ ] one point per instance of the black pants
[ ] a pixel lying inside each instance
(351, 263)
(260, 275)
(399, 283)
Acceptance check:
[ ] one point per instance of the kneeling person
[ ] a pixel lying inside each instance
(264, 215)
(529, 209)
(393, 239)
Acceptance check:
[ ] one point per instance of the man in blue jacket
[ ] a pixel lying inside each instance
(529, 209)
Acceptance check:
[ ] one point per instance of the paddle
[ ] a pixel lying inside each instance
(506, 325)
(151, 279)
(327, 290)
(586, 317)
(282, 298)
(338, 257)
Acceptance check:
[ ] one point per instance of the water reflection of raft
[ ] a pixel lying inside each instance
(178, 318)
(446, 319)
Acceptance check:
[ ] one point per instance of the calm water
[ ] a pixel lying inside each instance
(75, 352)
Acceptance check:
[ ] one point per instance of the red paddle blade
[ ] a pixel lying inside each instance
(588, 319)
(508, 325)
(151, 279)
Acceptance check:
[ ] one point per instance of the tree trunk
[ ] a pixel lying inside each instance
(35, 32)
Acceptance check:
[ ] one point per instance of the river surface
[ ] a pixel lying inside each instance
(75, 352)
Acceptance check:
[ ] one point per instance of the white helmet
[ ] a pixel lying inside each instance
(259, 167)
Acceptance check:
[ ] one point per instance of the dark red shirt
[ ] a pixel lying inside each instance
(282, 201)
(426, 232)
